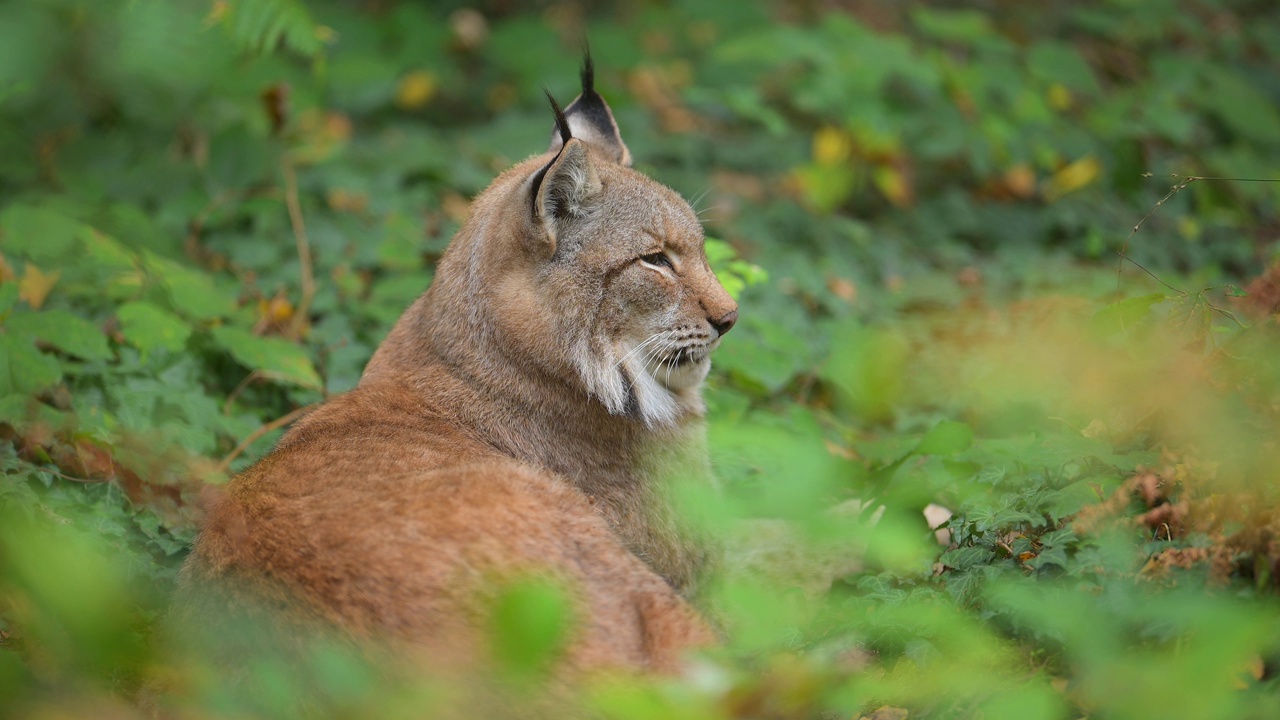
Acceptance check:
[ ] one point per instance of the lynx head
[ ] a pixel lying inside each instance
(585, 269)
(642, 310)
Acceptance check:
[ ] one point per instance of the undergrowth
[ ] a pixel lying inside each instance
(971, 468)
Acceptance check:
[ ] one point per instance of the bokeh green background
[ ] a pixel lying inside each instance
(211, 213)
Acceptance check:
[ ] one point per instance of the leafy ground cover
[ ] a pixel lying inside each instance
(210, 214)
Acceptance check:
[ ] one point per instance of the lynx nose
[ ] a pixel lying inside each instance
(723, 325)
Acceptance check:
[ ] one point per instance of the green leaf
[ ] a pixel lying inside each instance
(148, 327)
(946, 438)
(734, 273)
(962, 26)
(193, 293)
(1122, 316)
(8, 297)
(38, 233)
(259, 26)
(1059, 62)
(67, 332)
(277, 358)
(1241, 106)
(23, 369)
(530, 622)
(401, 244)
(966, 557)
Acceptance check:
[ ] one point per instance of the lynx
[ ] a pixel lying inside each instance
(520, 420)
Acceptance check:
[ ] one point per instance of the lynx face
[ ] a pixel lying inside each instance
(626, 274)
(660, 310)
(604, 281)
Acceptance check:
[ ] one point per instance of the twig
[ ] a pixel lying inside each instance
(253, 437)
(297, 323)
(1185, 180)
(83, 481)
(255, 375)
(1144, 269)
(1124, 247)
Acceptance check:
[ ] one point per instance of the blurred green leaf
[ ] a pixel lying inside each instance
(148, 327)
(1125, 315)
(277, 358)
(63, 330)
(23, 369)
(946, 438)
(38, 233)
(530, 625)
(193, 293)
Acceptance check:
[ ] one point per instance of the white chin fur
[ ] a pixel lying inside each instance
(662, 394)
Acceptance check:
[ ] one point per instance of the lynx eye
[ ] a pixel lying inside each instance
(658, 259)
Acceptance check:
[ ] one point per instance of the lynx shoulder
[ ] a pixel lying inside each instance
(519, 419)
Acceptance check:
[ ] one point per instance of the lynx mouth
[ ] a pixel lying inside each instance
(685, 356)
(681, 368)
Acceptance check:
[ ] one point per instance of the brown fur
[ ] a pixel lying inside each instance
(511, 423)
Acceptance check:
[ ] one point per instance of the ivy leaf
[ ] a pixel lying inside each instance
(63, 330)
(148, 327)
(23, 369)
(966, 557)
(274, 357)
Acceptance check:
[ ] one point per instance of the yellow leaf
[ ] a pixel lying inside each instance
(35, 286)
(893, 184)
(6, 270)
(217, 13)
(831, 146)
(415, 90)
(1073, 177)
(278, 309)
(1059, 97)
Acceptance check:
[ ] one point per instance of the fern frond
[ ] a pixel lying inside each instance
(259, 27)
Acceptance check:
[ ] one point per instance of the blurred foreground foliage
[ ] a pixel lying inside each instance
(211, 212)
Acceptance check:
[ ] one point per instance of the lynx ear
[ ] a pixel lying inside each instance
(561, 189)
(566, 185)
(590, 119)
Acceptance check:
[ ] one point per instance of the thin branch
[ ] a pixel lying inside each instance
(1184, 181)
(83, 481)
(1124, 247)
(1143, 268)
(255, 375)
(297, 324)
(253, 437)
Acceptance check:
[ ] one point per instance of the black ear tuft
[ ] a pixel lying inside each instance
(590, 119)
(562, 125)
(588, 71)
(562, 128)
